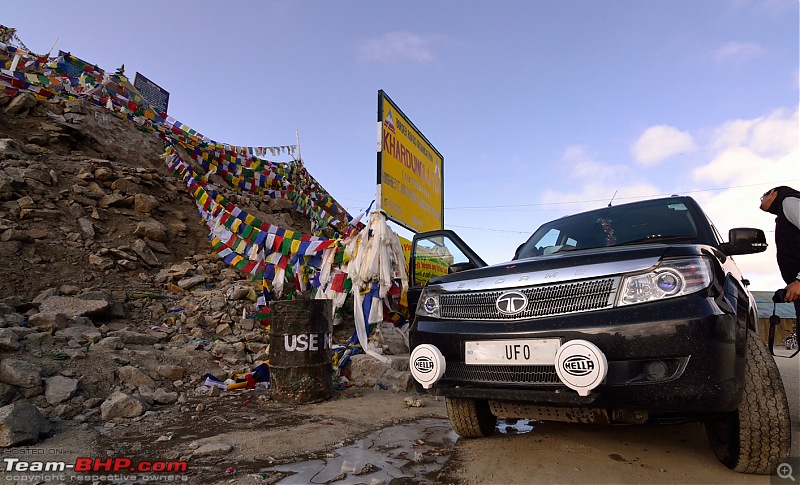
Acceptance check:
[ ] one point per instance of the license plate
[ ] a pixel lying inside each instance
(541, 351)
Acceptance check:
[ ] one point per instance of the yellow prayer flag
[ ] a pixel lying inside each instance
(241, 245)
(295, 245)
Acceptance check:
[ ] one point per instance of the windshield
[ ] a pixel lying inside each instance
(638, 223)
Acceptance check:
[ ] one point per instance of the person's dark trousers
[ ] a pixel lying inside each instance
(796, 315)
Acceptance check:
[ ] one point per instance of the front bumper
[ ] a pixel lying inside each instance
(701, 344)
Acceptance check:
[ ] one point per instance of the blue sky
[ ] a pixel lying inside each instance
(540, 108)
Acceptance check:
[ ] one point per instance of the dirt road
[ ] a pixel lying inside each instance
(372, 436)
(571, 453)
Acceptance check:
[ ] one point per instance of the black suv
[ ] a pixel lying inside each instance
(634, 313)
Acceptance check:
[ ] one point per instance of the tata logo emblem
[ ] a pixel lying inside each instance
(423, 364)
(511, 303)
(578, 365)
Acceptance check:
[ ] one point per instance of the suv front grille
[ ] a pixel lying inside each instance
(544, 300)
(503, 374)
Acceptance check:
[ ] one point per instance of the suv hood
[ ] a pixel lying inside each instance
(570, 265)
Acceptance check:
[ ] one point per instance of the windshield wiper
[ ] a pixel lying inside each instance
(655, 238)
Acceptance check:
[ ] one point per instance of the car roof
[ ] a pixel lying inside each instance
(682, 198)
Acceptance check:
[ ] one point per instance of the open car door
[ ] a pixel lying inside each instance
(437, 253)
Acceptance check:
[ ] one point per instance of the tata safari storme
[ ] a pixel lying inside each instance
(635, 313)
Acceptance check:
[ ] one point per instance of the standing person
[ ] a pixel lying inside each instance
(784, 202)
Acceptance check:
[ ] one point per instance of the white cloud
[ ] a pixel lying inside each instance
(737, 53)
(773, 135)
(597, 183)
(729, 164)
(398, 46)
(731, 133)
(581, 165)
(748, 156)
(778, 133)
(751, 156)
(658, 143)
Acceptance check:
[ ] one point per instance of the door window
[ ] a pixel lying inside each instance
(435, 256)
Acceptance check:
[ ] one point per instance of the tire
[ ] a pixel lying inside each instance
(470, 418)
(757, 436)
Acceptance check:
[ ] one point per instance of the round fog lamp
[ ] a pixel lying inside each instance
(427, 364)
(656, 370)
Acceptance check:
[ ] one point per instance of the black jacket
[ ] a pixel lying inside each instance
(787, 236)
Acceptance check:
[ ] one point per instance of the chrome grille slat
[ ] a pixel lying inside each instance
(543, 300)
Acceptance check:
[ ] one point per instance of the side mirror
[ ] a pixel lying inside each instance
(516, 253)
(744, 240)
(455, 268)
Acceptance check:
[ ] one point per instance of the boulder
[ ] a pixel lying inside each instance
(45, 294)
(237, 293)
(144, 203)
(395, 374)
(21, 103)
(164, 397)
(82, 333)
(21, 423)
(101, 262)
(143, 251)
(212, 449)
(171, 372)
(121, 405)
(190, 282)
(126, 186)
(7, 393)
(151, 229)
(9, 340)
(76, 306)
(58, 389)
(131, 376)
(20, 373)
(87, 228)
(48, 321)
(223, 330)
(112, 343)
(135, 338)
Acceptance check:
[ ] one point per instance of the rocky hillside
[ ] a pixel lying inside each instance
(112, 303)
(87, 202)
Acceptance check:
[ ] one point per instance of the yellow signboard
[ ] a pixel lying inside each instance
(410, 172)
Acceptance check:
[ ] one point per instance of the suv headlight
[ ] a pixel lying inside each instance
(671, 278)
(428, 305)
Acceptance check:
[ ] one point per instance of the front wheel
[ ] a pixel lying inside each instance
(470, 418)
(757, 436)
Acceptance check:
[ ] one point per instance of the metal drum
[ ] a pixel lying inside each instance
(300, 350)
